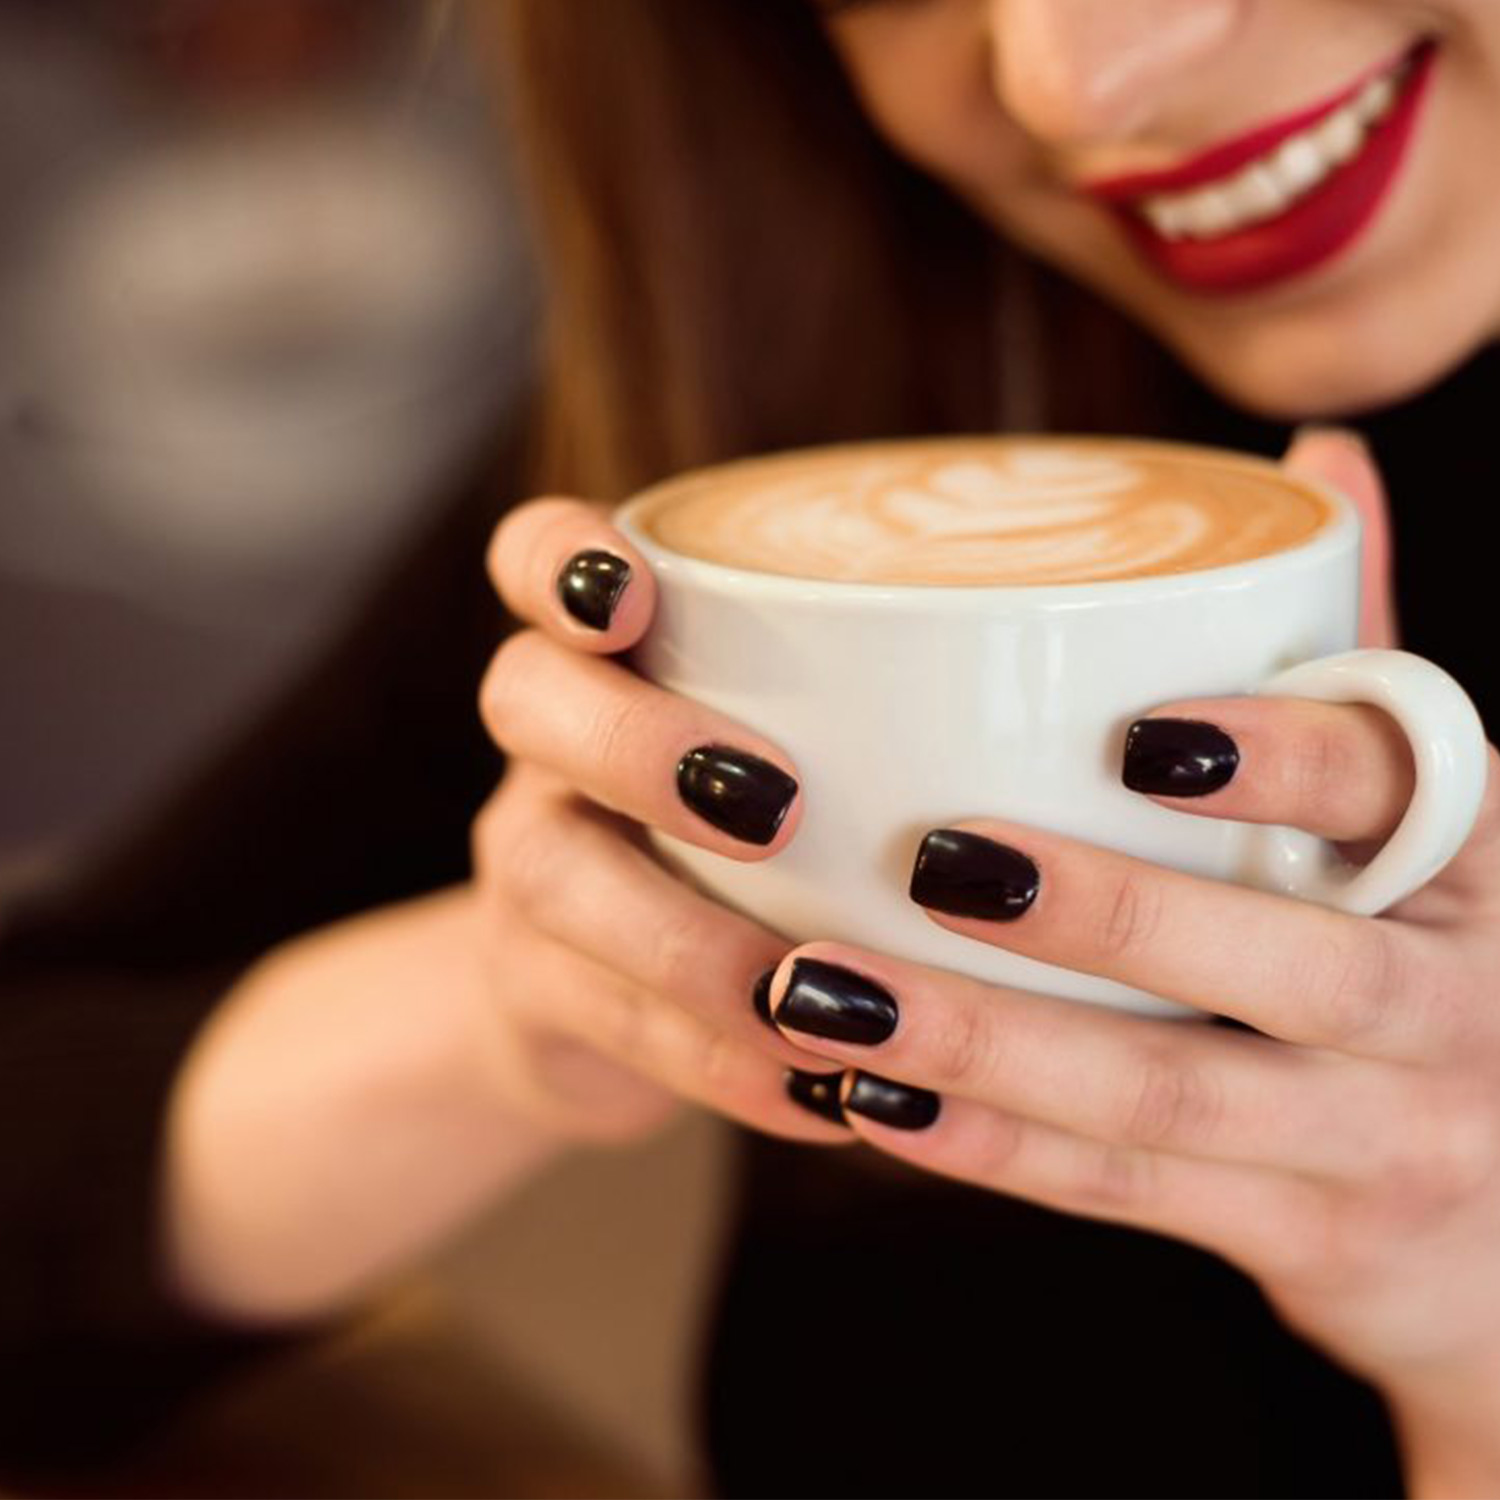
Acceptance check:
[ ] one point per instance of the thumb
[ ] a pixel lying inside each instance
(1340, 457)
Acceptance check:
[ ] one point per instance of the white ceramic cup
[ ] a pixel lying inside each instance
(908, 708)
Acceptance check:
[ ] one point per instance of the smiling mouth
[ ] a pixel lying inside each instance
(1279, 200)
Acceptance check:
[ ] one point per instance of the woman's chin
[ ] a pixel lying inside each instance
(1302, 375)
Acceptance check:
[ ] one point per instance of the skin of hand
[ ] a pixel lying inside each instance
(350, 1101)
(1342, 1146)
(365, 1090)
(1344, 1152)
(633, 990)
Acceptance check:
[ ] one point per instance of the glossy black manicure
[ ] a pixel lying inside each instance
(590, 586)
(964, 875)
(1178, 758)
(739, 793)
(828, 1001)
(818, 1092)
(889, 1103)
(760, 997)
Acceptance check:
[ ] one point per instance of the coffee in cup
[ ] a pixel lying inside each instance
(985, 511)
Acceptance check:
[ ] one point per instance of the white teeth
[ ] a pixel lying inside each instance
(1167, 217)
(1270, 186)
(1298, 165)
(1213, 212)
(1340, 135)
(1375, 100)
(1258, 194)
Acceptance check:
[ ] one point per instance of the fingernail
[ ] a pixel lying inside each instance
(964, 875)
(1178, 758)
(741, 794)
(889, 1103)
(838, 1004)
(590, 586)
(760, 997)
(816, 1092)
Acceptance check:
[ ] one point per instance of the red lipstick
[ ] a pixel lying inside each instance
(1311, 230)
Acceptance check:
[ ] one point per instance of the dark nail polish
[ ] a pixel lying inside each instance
(743, 795)
(964, 875)
(760, 997)
(590, 586)
(1178, 758)
(889, 1103)
(828, 1001)
(818, 1092)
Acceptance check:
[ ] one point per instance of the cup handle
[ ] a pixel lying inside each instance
(1449, 747)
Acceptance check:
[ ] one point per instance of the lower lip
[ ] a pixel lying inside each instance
(1311, 232)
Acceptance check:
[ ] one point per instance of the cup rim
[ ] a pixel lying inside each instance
(1344, 530)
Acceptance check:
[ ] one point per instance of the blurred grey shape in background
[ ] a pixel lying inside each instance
(262, 300)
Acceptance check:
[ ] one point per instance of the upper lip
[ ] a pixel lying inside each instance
(1226, 157)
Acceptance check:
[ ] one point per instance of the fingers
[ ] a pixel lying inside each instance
(1288, 968)
(573, 874)
(564, 994)
(1342, 771)
(1122, 1080)
(559, 565)
(638, 750)
(1340, 458)
(1268, 1223)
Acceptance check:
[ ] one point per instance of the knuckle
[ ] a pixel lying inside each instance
(1320, 767)
(1003, 1149)
(527, 861)
(623, 1021)
(1353, 986)
(1397, 1168)
(1465, 1150)
(1443, 1153)
(1130, 916)
(1171, 1102)
(620, 724)
(1117, 1179)
(678, 955)
(519, 800)
(1317, 1250)
(959, 1049)
(714, 1062)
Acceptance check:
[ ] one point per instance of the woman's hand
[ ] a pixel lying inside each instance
(620, 989)
(1345, 1151)
(366, 1089)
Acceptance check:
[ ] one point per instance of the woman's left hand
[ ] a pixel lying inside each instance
(1345, 1152)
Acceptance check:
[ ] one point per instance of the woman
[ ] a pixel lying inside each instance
(1345, 1158)
(775, 223)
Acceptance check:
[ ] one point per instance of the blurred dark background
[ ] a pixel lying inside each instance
(264, 306)
(261, 303)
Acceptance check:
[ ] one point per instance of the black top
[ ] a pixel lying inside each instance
(877, 1334)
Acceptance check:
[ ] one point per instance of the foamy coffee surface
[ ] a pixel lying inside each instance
(985, 511)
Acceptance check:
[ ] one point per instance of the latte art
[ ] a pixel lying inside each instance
(977, 511)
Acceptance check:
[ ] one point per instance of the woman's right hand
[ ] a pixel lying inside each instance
(623, 989)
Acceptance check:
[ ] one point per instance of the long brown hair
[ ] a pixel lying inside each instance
(733, 261)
